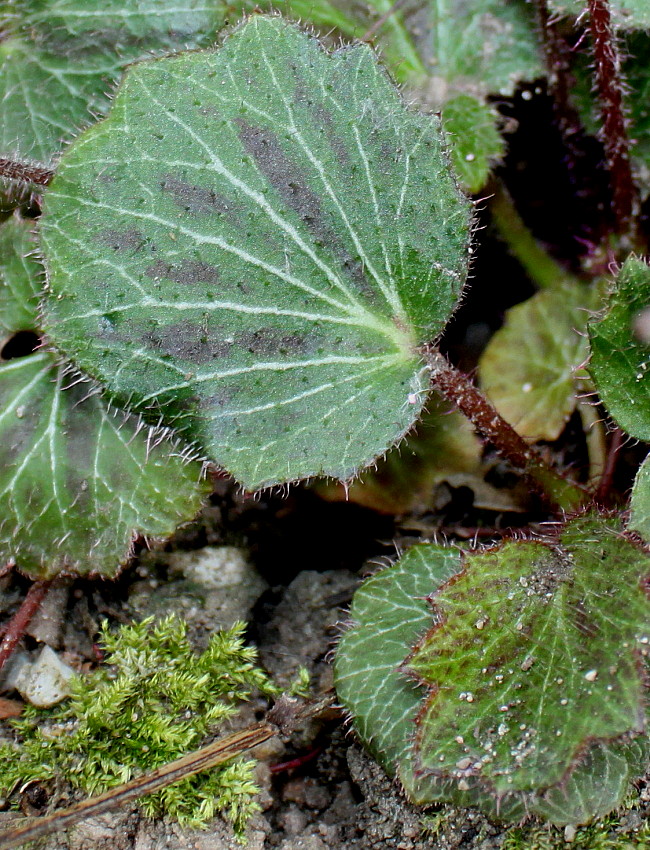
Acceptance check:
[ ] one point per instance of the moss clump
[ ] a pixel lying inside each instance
(153, 701)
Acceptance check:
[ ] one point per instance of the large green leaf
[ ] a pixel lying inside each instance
(78, 480)
(60, 63)
(619, 356)
(531, 366)
(535, 668)
(252, 246)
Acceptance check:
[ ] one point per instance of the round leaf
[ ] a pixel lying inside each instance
(530, 368)
(535, 656)
(252, 246)
(535, 670)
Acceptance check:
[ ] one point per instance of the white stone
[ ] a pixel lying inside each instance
(45, 681)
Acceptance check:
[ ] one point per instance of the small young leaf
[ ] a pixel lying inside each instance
(78, 480)
(620, 351)
(474, 139)
(252, 246)
(536, 669)
(531, 367)
(19, 276)
(61, 60)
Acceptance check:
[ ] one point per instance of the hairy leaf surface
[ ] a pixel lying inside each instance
(19, 276)
(443, 447)
(395, 39)
(640, 501)
(61, 61)
(620, 350)
(257, 261)
(535, 667)
(78, 481)
(389, 614)
(531, 367)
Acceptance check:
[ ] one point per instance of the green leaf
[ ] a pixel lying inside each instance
(20, 274)
(626, 14)
(389, 614)
(531, 367)
(488, 46)
(79, 480)
(240, 249)
(640, 501)
(60, 63)
(534, 670)
(395, 39)
(474, 139)
(619, 357)
(443, 447)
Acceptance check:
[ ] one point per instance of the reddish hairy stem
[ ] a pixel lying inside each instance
(15, 628)
(605, 483)
(458, 388)
(614, 131)
(25, 172)
(558, 64)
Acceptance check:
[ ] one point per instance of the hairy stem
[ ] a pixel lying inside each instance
(558, 63)
(614, 130)
(458, 388)
(24, 172)
(605, 485)
(542, 269)
(15, 628)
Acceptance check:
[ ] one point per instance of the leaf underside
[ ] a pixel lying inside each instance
(620, 350)
(61, 61)
(526, 713)
(530, 367)
(239, 249)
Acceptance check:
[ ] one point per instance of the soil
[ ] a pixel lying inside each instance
(331, 795)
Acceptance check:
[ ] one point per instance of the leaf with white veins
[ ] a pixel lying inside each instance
(253, 245)
(531, 681)
(78, 480)
(59, 62)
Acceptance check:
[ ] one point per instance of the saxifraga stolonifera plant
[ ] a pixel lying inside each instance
(248, 262)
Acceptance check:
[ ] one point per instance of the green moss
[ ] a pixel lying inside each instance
(153, 701)
(606, 834)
